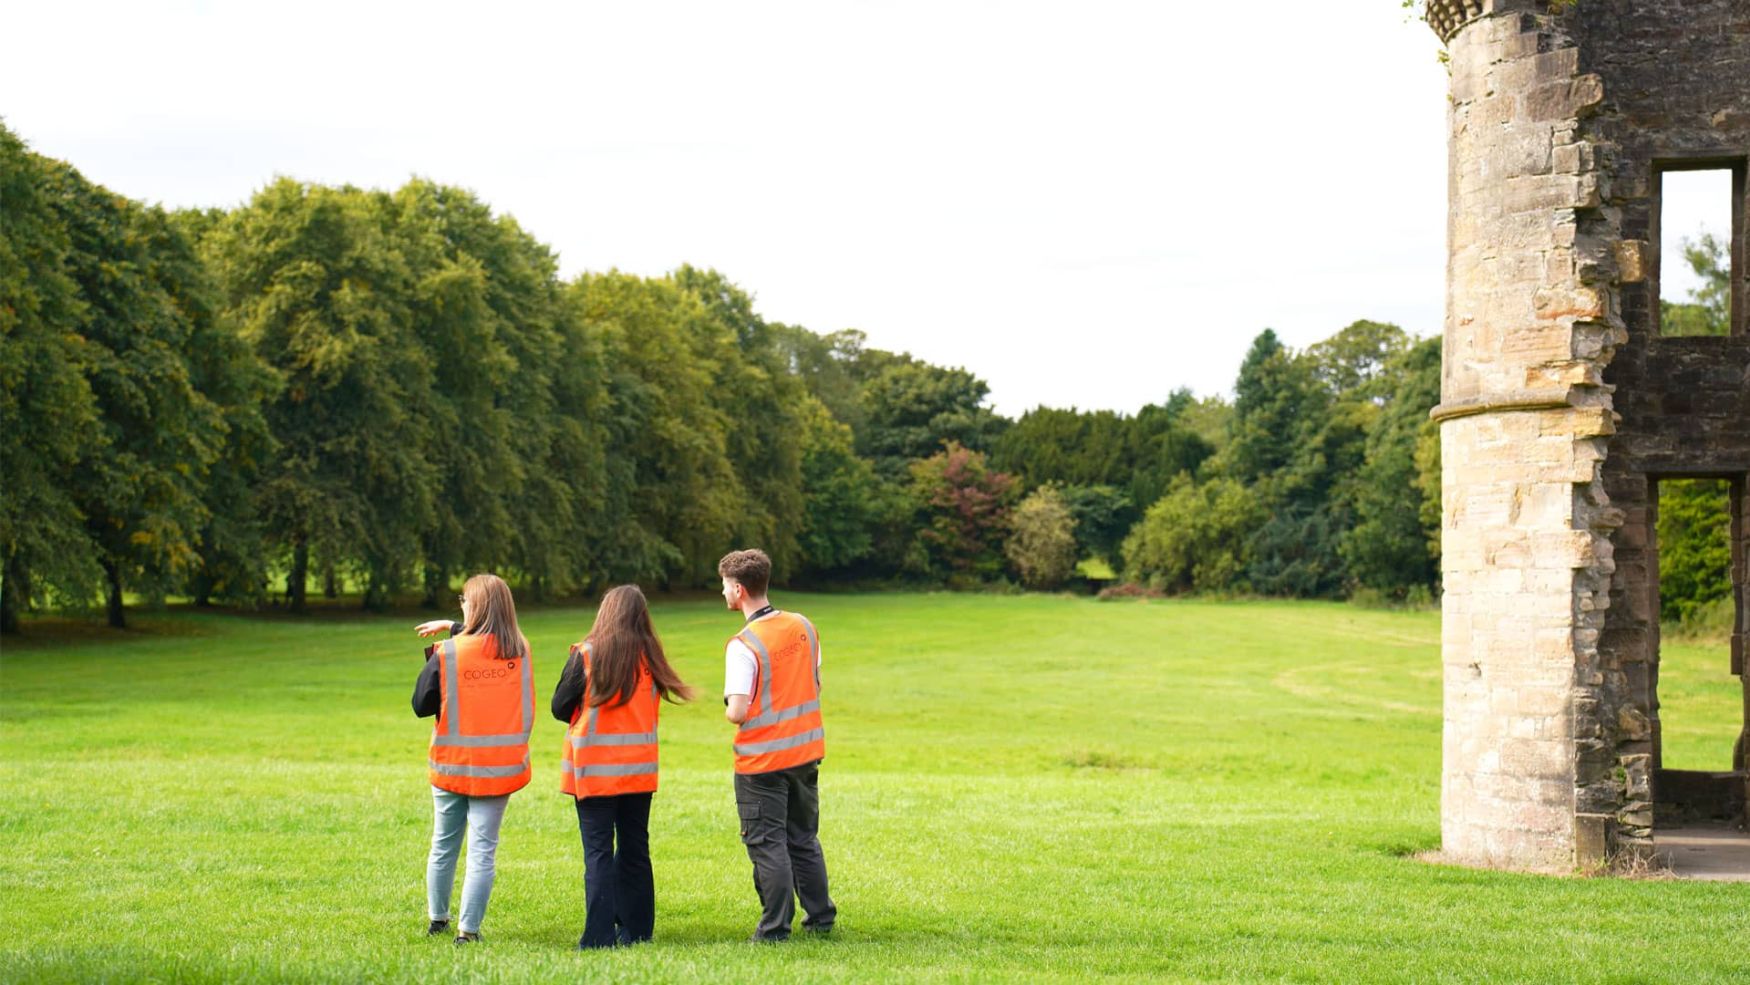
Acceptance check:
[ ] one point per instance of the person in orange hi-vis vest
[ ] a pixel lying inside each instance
(771, 690)
(610, 693)
(481, 686)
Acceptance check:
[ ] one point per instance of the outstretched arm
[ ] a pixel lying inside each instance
(437, 626)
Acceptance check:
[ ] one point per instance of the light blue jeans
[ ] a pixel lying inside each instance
(481, 816)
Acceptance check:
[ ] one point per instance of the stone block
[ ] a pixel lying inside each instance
(1637, 814)
(1638, 772)
(1546, 193)
(1536, 758)
(1573, 372)
(1590, 422)
(1592, 845)
(1489, 114)
(1567, 548)
(1528, 155)
(1568, 302)
(1552, 100)
(1585, 93)
(1593, 757)
(1557, 66)
(1633, 724)
(1631, 261)
(1600, 797)
(1541, 701)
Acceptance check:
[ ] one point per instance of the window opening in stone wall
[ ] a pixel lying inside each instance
(1700, 701)
(1695, 264)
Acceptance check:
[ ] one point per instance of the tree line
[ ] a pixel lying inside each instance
(1319, 479)
(334, 386)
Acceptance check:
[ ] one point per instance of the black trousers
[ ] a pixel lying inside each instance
(780, 825)
(619, 891)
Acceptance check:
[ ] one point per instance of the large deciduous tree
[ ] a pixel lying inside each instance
(1393, 546)
(484, 307)
(316, 281)
(830, 366)
(761, 402)
(233, 551)
(1352, 363)
(48, 413)
(840, 497)
(664, 428)
(962, 514)
(913, 408)
(148, 306)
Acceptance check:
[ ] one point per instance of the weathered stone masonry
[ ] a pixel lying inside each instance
(1561, 407)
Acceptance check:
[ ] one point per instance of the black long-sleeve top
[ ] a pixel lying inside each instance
(428, 691)
(568, 694)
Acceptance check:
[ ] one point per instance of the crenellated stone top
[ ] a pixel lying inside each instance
(1446, 17)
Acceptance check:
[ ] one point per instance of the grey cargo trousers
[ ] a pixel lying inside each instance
(780, 825)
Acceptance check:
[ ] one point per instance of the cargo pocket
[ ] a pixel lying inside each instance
(750, 821)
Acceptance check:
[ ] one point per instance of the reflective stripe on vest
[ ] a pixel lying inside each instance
(470, 752)
(454, 769)
(779, 735)
(782, 714)
(617, 769)
(774, 745)
(603, 764)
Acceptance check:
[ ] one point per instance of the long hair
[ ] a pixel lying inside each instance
(492, 612)
(621, 636)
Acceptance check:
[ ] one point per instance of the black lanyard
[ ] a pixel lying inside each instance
(768, 610)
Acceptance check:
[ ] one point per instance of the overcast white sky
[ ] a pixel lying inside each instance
(1086, 203)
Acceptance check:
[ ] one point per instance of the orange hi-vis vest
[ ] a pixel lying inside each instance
(611, 749)
(783, 713)
(480, 745)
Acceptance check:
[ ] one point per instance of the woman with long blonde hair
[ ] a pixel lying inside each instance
(480, 685)
(610, 694)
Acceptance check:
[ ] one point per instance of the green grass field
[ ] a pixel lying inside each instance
(1015, 788)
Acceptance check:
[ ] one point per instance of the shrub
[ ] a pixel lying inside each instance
(1195, 538)
(1130, 590)
(1042, 543)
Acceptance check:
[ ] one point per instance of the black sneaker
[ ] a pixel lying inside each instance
(437, 927)
(466, 938)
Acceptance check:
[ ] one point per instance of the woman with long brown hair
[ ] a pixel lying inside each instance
(480, 685)
(610, 694)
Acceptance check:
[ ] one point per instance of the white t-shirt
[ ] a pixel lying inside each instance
(740, 666)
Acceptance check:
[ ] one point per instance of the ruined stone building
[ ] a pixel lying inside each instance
(1563, 408)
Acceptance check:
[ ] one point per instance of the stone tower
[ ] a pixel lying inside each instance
(1562, 407)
